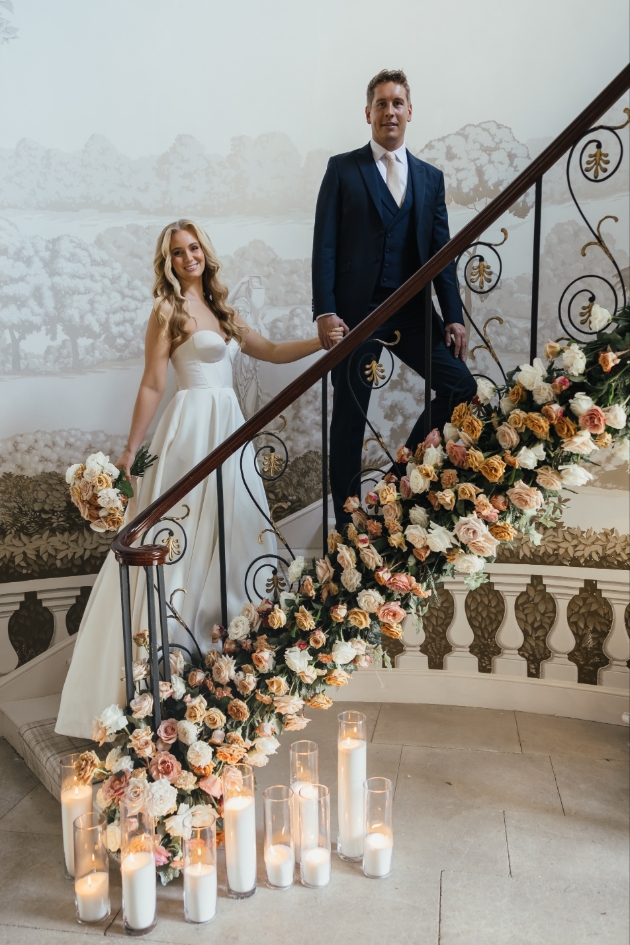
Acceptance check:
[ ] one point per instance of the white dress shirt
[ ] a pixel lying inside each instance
(381, 163)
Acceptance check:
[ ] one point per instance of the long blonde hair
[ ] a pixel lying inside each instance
(166, 287)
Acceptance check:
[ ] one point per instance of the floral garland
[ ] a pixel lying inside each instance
(492, 472)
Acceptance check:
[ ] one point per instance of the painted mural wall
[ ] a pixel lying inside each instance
(103, 144)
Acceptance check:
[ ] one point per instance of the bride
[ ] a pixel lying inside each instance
(193, 325)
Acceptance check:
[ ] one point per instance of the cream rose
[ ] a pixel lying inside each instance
(239, 628)
(468, 564)
(507, 436)
(616, 417)
(142, 705)
(529, 458)
(186, 732)
(434, 456)
(506, 404)
(288, 705)
(199, 754)
(485, 390)
(574, 475)
(531, 374)
(296, 659)
(599, 318)
(351, 579)
(439, 538)
(451, 432)
(250, 612)
(295, 569)
(573, 360)
(470, 528)
(370, 557)
(543, 393)
(343, 652)
(581, 403)
(164, 797)
(525, 497)
(418, 482)
(370, 601)
(346, 556)
(418, 516)
(416, 535)
(581, 443)
(324, 570)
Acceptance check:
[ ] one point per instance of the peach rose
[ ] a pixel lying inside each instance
(230, 754)
(114, 788)
(336, 677)
(238, 710)
(214, 718)
(346, 556)
(448, 478)
(375, 529)
(338, 612)
(277, 685)
(446, 499)
(499, 502)
(422, 553)
(391, 613)
(165, 765)
(400, 583)
(467, 492)
(548, 478)
(277, 618)
(507, 436)
(324, 570)
(317, 639)
(320, 701)
(167, 732)
(393, 511)
(352, 504)
(196, 678)
(485, 510)
(387, 493)
(212, 785)
(382, 576)
(457, 454)
(608, 360)
(393, 630)
(525, 497)
(593, 420)
(304, 619)
(141, 742)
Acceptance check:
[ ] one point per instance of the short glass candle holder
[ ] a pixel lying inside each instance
(239, 824)
(315, 835)
(137, 866)
(378, 844)
(91, 869)
(279, 852)
(76, 799)
(200, 866)
(304, 760)
(352, 774)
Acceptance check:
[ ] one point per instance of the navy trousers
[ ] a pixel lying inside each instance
(451, 380)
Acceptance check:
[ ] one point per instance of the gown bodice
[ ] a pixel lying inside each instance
(204, 360)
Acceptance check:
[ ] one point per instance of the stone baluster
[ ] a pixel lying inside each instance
(617, 643)
(9, 603)
(509, 635)
(560, 639)
(459, 633)
(413, 638)
(58, 601)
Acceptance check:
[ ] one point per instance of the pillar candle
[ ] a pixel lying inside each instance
(239, 819)
(92, 892)
(352, 773)
(296, 787)
(138, 889)
(75, 801)
(377, 854)
(200, 891)
(315, 866)
(280, 863)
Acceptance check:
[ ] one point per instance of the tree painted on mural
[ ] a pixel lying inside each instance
(25, 289)
(478, 161)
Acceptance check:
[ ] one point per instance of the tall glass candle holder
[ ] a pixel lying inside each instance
(200, 866)
(279, 853)
(304, 759)
(378, 844)
(91, 869)
(352, 774)
(239, 824)
(315, 835)
(137, 866)
(76, 799)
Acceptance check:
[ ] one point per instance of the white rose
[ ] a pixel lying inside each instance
(239, 628)
(599, 318)
(622, 449)
(343, 652)
(575, 475)
(359, 646)
(257, 759)
(112, 719)
(581, 443)
(370, 601)
(295, 569)
(175, 825)
(580, 404)
(434, 456)
(179, 687)
(543, 393)
(418, 482)
(418, 516)
(506, 404)
(297, 659)
(468, 564)
(485, 390)
(450, 432)
(439, 538)
(616, 416)
(539, 451)
(573, 360)
(123, 764)
(351, 579)
(267, 744)
(113, 837)
(199, 754)
(112, 757)
(526, 458)
(71, 472)
(187, 732)
(108, 498)
(164, 797)
(416, 535)
(176, 661)
(531, 375)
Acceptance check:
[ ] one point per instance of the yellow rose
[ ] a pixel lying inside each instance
(475, 460)
(493, 468)
(304, 619)
(472, 426)
(277, 618)
(359, 618)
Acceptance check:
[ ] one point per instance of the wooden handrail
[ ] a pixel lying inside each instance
(156, 554)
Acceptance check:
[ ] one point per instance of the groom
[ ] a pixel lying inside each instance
(380, 216)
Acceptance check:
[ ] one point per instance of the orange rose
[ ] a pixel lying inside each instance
(472, 426)
(607, 360)
(493, 469)
(510, 460)
(393, 630)
(467, 491)
(517, 394)
(422, 553)
(538, 425)
(459, 415)
(565, 428)
(502, 531)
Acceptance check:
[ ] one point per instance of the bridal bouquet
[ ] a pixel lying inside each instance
(101, 491)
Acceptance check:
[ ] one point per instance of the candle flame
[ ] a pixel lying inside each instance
(89, 881)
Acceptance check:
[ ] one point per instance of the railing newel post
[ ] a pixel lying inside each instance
(533, 337)
(153, 647)
(125, 596)
(222, 564)
(428, 344)
(166, 649)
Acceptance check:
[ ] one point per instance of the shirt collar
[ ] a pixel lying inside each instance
(378, 151)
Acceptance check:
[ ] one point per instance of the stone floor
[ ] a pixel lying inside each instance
(510, 828)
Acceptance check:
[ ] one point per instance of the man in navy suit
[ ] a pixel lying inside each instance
(380, 215)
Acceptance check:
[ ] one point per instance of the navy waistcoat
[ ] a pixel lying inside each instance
(400, 257)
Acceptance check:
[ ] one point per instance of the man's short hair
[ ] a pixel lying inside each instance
(387, 75)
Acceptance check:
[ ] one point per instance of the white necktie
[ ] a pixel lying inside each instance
(394, 183)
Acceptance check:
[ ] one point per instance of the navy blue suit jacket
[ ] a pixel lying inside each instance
(349, 235)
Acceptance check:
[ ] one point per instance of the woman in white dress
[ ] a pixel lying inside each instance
(192, 325)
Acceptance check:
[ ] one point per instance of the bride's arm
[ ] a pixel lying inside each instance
(283, 352)
(152, 385)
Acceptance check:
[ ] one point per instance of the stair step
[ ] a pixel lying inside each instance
(29, 726)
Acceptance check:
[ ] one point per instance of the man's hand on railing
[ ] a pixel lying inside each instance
(325, 326)
(456, 334)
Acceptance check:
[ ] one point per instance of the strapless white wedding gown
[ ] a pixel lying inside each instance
(201, 415)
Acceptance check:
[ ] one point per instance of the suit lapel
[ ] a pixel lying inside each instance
(418, 177)
(365, 160)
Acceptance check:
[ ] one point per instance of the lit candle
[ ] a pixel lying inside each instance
(352, 763)
(280, 863)
(200, 892)
(92, 892)
(377, 854)
(75, 800)
(316, 866)
(239, 819)
(138, 889)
